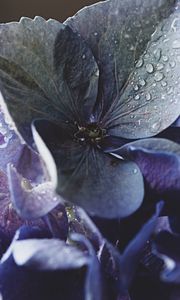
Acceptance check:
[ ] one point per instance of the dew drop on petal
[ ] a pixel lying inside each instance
(148, 96)
(165, 58)
(156, 126)
(142, 82)
(135, 171)
(97, 73)
(127, 36)
(159, 66)
(149, 68)
(172, 64)
(146, 56)
(157, 54)
(136, 88)
(55, 199)
(140, 63)
(176, 44)
(137, 97)
(170, 90)
(164, 83)
(158, 76)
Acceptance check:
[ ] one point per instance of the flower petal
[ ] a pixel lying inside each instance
(118, 32)
(133, 252)
(160, 169)
(154, 144)
(159, 162)
(169, 245)
(31, 202)
(150, 100)
(14, 151)
(101, 184)
(81, 223)
(93, 286)
(36, 284)
(38, 59)
(48, 254)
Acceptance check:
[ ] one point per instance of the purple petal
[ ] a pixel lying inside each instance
(160, 169)
(133, 252)
(31, 202)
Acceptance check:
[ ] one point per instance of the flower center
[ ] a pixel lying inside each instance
(90, 134)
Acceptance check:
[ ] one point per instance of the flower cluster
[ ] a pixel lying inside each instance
(90, 154)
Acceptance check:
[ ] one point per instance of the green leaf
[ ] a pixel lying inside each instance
(103, 185)
(36, 81)
(118, 33)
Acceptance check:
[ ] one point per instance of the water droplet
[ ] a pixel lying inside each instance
(156, 126)
(137, 97)
(172, 64)
(163, 83)
(165, 40)
(148, 96)
(158, 76)
(115, 41)
(84, 56)
(176, 44)
(149, 68)
(127, 36)
(165, 58)
(169, 90)
(136, 88)
(175, 24)
(140, 63)
(159, 66)
(95, 33)
(146, 56)
(135, 171)
(157, 54)
(132, 48)
(142, 82)
(97, 73)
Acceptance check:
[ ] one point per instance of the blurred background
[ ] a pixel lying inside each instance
(12, 10)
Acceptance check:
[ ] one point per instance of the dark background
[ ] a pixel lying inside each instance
(12, 10)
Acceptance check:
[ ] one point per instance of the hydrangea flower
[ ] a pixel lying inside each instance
(107, 76)
(91, 112)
